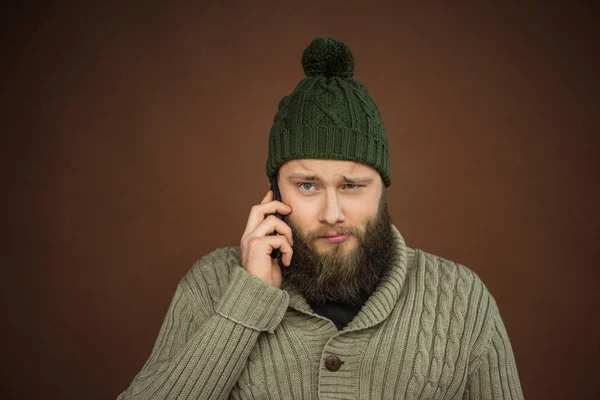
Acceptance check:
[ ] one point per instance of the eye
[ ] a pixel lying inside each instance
(306, 186)
(352, 186)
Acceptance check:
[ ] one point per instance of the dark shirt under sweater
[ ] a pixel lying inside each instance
(339, 313)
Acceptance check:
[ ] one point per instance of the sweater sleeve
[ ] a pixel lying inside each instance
(494, 375)
(194, 359)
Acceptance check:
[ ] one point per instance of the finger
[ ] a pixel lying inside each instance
(273, 224)
(263, 246)
(259, 212)
(268, 197)
(281, 243)
(286, 256)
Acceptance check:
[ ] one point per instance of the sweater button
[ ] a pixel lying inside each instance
(333, 363)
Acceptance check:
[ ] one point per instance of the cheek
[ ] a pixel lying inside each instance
(303, 217)
(362, 210)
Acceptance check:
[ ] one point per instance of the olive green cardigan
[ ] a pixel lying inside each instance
(431, 330)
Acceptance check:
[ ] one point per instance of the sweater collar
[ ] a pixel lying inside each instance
(381, 303)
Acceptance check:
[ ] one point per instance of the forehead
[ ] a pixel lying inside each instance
(327, 168)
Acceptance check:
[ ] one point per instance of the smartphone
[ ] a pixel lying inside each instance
(276, 196)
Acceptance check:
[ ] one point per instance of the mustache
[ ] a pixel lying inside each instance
(340, 230)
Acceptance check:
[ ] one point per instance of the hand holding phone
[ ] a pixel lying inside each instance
(266, 231)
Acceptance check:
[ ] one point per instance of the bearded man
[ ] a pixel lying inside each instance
(346, 310)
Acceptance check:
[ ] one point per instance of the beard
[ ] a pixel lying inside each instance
(339, 274)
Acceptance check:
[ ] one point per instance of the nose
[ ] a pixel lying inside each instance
(332, 213)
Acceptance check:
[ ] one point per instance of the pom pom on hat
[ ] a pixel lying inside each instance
(328, 57)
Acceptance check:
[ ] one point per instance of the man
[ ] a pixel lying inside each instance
(347, 310)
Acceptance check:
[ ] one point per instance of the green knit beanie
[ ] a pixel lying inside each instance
(329, 115)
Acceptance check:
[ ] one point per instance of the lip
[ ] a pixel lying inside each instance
(335, 237)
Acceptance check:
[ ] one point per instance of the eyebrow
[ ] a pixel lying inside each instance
(304, 177)
(361, 179)
(314, 178)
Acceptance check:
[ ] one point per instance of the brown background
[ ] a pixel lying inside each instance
(135, 137)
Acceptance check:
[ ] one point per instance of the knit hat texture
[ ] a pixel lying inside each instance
(329, 115)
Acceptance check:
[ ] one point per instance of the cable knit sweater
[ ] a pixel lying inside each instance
(431, 330)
